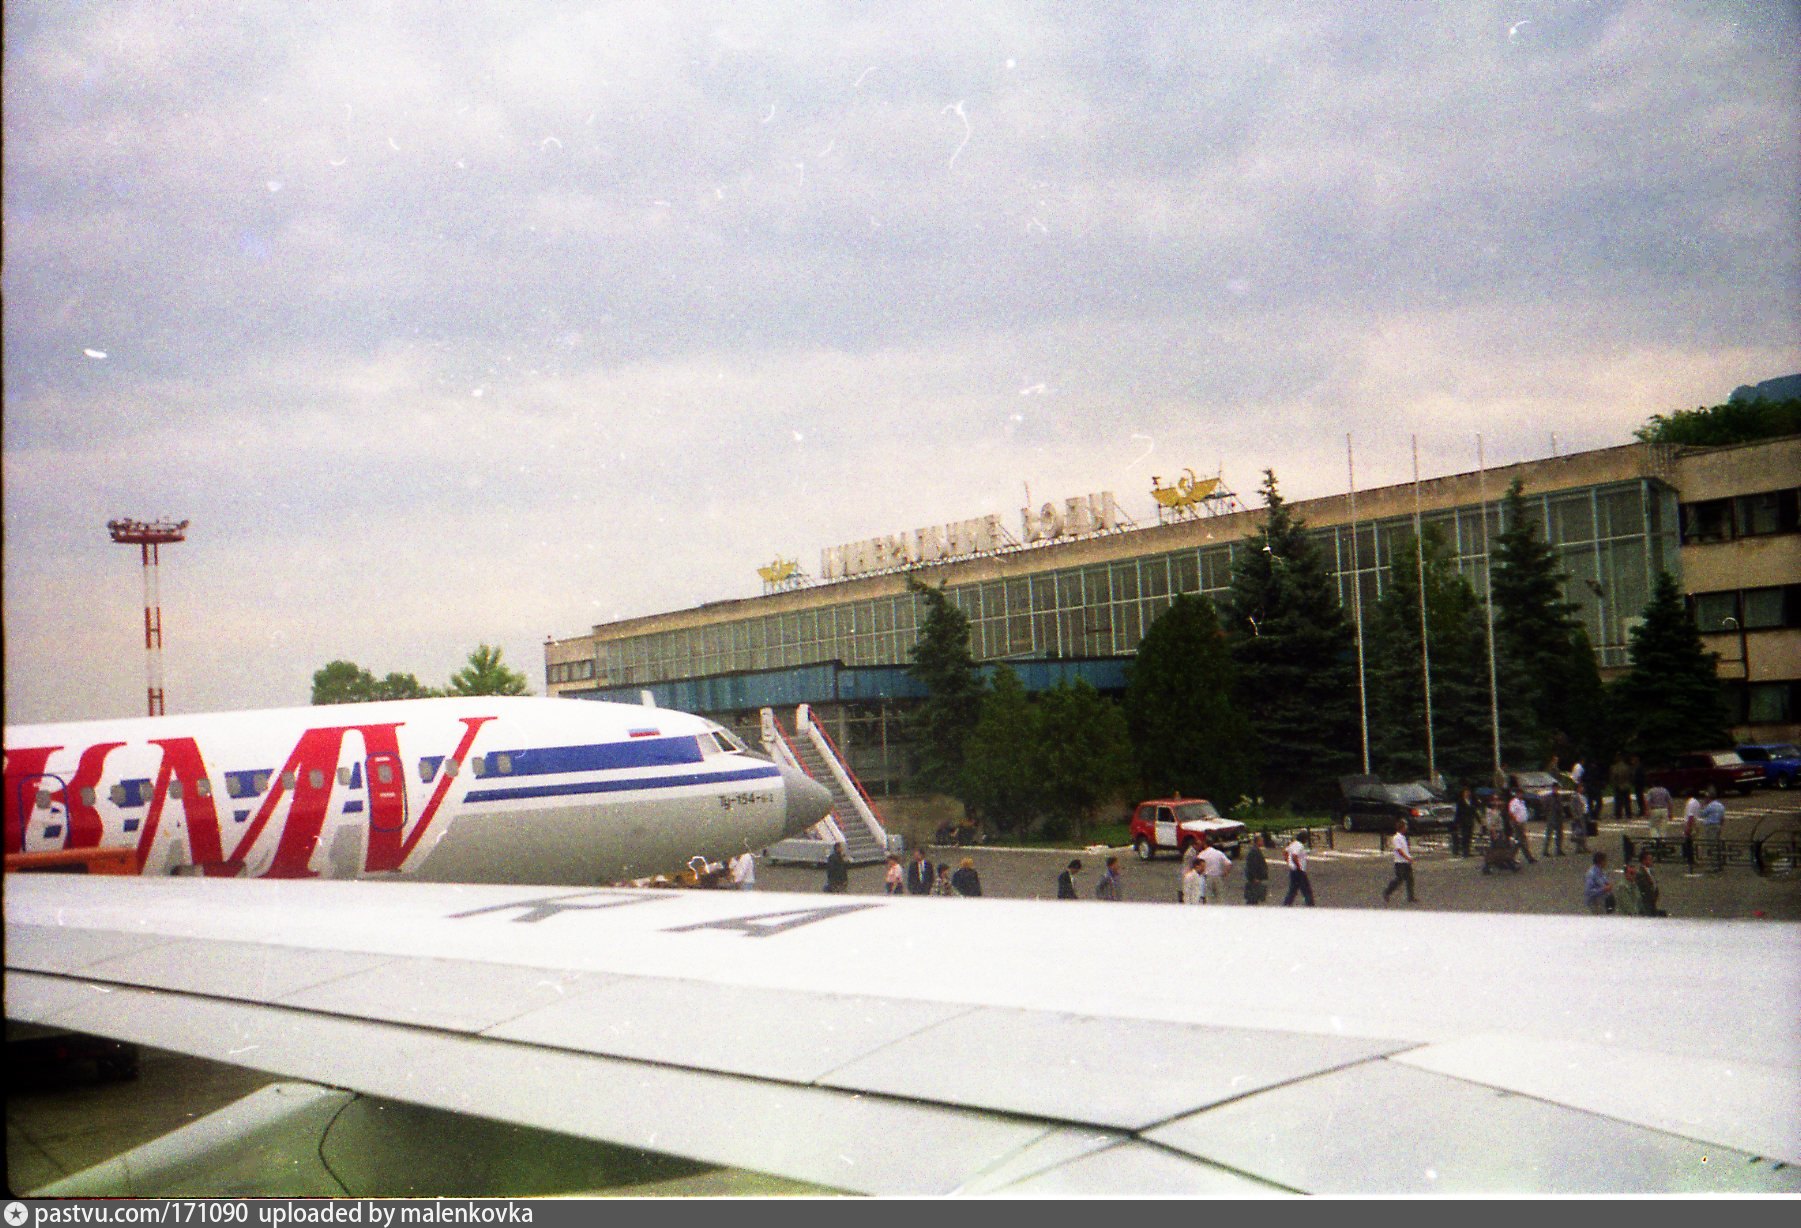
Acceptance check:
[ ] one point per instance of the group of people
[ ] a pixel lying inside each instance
(1644, 897)
(918, 877)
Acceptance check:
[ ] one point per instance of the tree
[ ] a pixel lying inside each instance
(1543, 667)
(1734, 422)
(1456, 645)
(1669, 701)
(1085, 754)
(953, 702)
(1187, 733)
(1001, 782)
(343, 682)
(485, 675)
(1291, 646)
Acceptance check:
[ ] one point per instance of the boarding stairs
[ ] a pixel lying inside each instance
(853, 820)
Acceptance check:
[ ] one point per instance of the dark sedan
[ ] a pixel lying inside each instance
(1370, 804)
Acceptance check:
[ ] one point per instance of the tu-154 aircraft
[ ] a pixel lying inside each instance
(488, 789)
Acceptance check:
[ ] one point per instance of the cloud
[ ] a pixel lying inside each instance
(495, 322)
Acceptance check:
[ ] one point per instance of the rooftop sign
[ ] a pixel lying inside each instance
(1076, 517)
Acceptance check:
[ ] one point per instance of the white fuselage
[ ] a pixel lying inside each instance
(484, 789)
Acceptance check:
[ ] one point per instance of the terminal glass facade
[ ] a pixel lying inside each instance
(1612, 540)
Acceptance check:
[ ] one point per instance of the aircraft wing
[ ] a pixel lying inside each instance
(937, 1046)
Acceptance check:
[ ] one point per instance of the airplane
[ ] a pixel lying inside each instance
(499, 1040)
(485, 789)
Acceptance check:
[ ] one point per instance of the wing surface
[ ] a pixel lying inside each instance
(939, 1046)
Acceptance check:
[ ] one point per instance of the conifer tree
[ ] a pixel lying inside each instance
(1187, 733)
(1002, 779)
(1085, 754)
(1540, 665)
(943, 664)
(1291, 646)
(1670, 700)
(1459, 667)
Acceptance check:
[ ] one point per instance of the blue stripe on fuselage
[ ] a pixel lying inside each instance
(598, 757)
(621, 785)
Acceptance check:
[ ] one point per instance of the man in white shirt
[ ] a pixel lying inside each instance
(1296, 856)
(1403, 864)
(1519, 813)
(1194, 885)
(1214, 866)
(744, 871)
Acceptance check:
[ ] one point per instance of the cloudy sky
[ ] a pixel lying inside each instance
(485, 322)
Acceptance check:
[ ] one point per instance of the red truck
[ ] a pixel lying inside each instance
(1173, 823)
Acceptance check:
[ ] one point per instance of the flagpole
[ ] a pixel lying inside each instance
(1419, 545)
(1488, 593)
(1363, 713)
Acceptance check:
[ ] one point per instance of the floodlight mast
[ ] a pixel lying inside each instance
(148, 536)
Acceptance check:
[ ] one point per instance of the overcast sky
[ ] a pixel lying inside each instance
(451, 323)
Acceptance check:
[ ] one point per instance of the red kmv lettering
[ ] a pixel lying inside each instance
(182, 762)
(85, 825)
(23, 767)
(388, 850)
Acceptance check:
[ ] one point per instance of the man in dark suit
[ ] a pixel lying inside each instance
(920, 874)
(1066, 881)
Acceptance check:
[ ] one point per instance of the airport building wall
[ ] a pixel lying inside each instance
(1722, 519)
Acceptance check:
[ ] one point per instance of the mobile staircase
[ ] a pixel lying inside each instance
(853, 820)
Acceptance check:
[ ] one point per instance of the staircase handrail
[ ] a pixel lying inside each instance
(853, 788)
(827, 828)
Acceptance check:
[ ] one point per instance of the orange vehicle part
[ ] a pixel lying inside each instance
(74, 861)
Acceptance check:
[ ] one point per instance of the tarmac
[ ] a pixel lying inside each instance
(59, 1127)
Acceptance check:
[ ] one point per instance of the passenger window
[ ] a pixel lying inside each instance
(450, 767)
(344, 776)
(505, 764)
(118, 795)
(261, 783)
(175, 790)
(384, 774)
(428, 768)
(87, 796)
(203, 787)
(288, 781)
(43, 799)
(316, 779)
(479, 765)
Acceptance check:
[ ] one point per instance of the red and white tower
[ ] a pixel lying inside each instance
(148, 536)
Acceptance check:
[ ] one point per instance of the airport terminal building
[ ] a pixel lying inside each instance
(1068, 589)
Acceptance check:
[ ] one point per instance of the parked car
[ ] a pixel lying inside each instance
(1718, 770)
(1370, 804)
(1537, 788)
(1173, 823)
(1781, 762)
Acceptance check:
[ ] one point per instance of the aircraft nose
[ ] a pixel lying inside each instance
(808, 802)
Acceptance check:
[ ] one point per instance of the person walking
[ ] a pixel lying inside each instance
(920, 875)
(1649, 896)
(1518, 813)
(942, 885)
(1256, 871)
(1597, 887)
(1657, 809)
(1214, 866)
(1403, 853)
(1296, 857)
(1553, 822)
(966, 881)
(1713, 826)
(1066, 881)
(1619, 779)
(1194, 884)
(837, 871)
(1463, 830)
(1691, 819)
(744, 871)
(1111, 886)
(1190, 851)
(894, 879)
